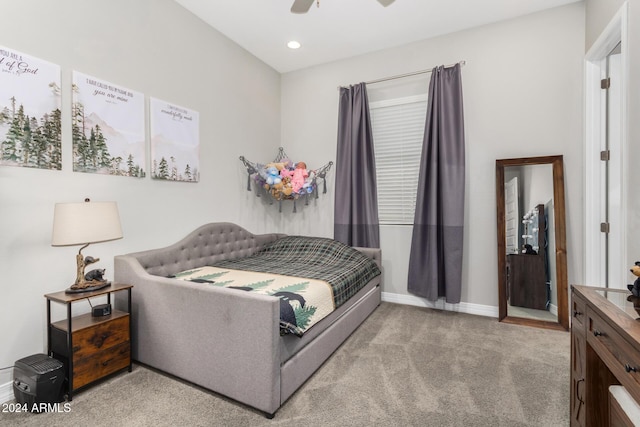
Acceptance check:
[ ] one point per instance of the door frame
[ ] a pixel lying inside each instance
(595, 103)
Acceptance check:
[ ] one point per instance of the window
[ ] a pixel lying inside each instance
(398, 129)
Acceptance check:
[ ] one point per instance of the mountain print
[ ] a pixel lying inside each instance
(107, 128)
(30, 116)
(175, 142)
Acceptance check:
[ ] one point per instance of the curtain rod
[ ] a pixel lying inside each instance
(414, 73)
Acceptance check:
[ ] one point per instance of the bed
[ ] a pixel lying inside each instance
(222, 334)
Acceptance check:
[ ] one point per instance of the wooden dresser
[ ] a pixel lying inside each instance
(605, 351)
(526, 273)
(526, 281)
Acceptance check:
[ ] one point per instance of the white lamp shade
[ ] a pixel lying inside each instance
(86, 222)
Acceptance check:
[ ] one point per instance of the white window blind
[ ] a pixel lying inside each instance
(398, 129)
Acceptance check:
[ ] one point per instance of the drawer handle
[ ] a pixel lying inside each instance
(577, 313)
(580, 399)
(630, 368)
(597, 333)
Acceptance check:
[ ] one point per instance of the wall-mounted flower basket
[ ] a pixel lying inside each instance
(283, 179)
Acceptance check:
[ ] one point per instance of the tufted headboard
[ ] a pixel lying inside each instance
(204, 246)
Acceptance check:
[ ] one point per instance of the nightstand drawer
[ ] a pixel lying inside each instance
(90, 334)
(96, 338)
(104, 363)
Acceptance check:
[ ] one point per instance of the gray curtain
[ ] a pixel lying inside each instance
(356, 204)
(435, 263)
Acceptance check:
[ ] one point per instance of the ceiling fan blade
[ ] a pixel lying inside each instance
(385, 3)
(301, 6)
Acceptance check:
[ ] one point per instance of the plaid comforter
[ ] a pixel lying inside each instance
(345, 269)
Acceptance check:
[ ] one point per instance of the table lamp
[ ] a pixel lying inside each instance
(82, 224)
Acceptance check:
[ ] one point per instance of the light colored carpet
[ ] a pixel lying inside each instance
(405, 366)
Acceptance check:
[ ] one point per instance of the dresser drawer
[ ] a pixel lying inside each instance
(104, 363)
(621, 357)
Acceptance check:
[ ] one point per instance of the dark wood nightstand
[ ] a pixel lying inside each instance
(96, 346)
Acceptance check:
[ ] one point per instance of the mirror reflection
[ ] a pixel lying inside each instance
(529, 242)
(532, 270)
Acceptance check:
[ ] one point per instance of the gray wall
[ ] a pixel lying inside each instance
(523, 97)
(538, 185)
(158, 48)
(598, 14)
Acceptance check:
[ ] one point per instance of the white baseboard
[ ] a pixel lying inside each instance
(463, 307)
(6, 392)
(553, 309)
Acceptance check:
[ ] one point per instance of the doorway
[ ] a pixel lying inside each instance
(605, 126)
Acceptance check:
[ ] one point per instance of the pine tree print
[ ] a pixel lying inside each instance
(163, 169)
(293, 288)
(186, 273)
(304, 315)
(261, 284)
(11, 145)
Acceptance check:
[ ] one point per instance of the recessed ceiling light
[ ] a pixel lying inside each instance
(293, 44)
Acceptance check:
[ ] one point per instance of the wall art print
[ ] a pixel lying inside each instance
(175, 142)
(30, 118)
(107, 125)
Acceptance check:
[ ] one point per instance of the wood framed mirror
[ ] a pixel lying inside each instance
(532, 258)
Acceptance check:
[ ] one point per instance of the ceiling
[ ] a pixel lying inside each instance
(339, 29)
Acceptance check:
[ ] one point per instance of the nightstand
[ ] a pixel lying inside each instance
(90, 347)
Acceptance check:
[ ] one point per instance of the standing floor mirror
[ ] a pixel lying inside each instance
(532, 258)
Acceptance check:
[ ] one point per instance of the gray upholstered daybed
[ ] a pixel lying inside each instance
(224, 339)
